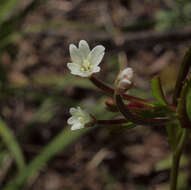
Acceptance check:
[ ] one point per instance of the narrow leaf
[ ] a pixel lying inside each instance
(12, 145)
(6, 7)
(188, 100)
(137, 119)
(184, 69)
(158, 92)
(65, 138)
(182, 108)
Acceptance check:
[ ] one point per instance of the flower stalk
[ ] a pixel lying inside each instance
(133, 106)
(111, 91)
(85, 63)
(112, 122)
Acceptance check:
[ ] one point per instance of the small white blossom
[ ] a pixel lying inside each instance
(79, 118)
(124, 79)
(85, 62)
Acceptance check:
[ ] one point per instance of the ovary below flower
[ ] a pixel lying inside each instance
(85, 62)
(79, 118)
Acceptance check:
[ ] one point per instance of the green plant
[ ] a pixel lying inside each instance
(175, 116)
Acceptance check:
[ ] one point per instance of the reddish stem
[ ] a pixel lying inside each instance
(133, 106)
(111, 91)
(110, 122)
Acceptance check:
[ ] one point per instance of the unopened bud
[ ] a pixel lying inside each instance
(124, 80)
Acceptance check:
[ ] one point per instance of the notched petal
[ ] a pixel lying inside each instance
(84, 49)
(84, 44)
(96, 55)
(75, 54)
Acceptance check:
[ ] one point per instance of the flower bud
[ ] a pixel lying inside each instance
(124, 80)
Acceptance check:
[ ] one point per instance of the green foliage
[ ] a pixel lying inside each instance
(183, 72)
(61, 141)
(174, 132)
(157, 91)
(9, 30)
(166, 163)
(188, 101)
(182, 108)
(5, 8)
(11, 142)
(156, 111)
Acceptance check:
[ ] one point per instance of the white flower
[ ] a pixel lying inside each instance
(124, 79)
(79, 118)
(85, 62)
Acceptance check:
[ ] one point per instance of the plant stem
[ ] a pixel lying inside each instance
(176, 160)
(112, 122)
(184, 69)
(111, 91)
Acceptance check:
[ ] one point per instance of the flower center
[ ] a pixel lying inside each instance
(86, 66)
(82, 118)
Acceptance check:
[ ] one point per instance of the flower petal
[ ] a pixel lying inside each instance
(72, 110)
(96, 55)
(74, 68)
(85, 74)
(126, 73)
(75, 54)
(71, 120)
(96, 69)
(124, 82)
(77, 126)
(84, 49)
(79, 109)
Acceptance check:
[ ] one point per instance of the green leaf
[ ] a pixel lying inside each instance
(12, 145)
(158, 92)
(184, 69)
(6, 7)
(9, 29)
(156, 111)
(58, 144)
(166, 163)
(174, 132)
(183, 109)
(188, 100)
